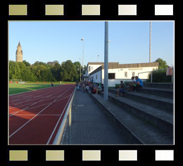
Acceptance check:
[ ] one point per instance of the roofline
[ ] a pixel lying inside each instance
(113, 65)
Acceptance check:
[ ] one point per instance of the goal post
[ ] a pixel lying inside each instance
(15, 81)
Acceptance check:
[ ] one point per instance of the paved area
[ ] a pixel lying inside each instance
(90, 125)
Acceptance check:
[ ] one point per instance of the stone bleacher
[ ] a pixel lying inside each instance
(144, 117)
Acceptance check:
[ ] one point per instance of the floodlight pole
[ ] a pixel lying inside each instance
(150, 28)
(106, 63)
(82, 39)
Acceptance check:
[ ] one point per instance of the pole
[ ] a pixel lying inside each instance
(80, 70)
(83, 53)
(150, 27)
(106, 63)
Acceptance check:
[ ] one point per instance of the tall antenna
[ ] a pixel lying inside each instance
(150, 29)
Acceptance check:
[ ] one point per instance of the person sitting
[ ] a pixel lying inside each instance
(93, 91)
(87, 88)
(98, 89)
(139, 83)
(121, 89)
(132, 84)
(91, 87)
(102, 87)
(77, 88)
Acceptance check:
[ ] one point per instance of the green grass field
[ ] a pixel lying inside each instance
(18, 88)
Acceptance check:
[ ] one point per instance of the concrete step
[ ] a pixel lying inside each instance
(136, 129)
(159, 85)
(167, 93)
(165, 104)
(158, 117)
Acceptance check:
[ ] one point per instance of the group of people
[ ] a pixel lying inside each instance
(94, 88)
(134, 85)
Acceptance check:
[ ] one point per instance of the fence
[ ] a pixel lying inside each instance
(68, 115)
(167, 73)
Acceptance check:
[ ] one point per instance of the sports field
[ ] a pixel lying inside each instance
(19, 88)
(35, 116)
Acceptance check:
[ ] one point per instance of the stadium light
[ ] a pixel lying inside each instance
(82, 39)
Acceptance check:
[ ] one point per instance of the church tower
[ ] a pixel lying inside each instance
(19, 53)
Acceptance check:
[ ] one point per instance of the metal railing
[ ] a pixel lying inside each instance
(68, 114)
(152, 73)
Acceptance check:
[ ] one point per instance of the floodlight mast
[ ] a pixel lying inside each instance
(82, 39)
(150, 29)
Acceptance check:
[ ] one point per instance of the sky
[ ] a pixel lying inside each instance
(47, 41)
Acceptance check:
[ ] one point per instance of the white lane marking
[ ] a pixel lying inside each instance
(33, 96)
(35, 107)
(63, 98)
(18, 111)
(58, 121)
(35, 115)
(29, 105)
(29, 120)
(46, 103)
(38, 115)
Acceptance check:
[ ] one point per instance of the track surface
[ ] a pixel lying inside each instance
(34, 117)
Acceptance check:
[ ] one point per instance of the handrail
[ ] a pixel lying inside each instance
(59, 134)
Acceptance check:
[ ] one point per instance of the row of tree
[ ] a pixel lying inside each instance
(66, 71)
(40, 71)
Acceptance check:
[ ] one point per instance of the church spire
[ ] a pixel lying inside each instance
(19, 53)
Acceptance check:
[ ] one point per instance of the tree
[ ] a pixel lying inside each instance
(77, 66)
(46, 75)
(14, 70)
(68, 71)
(55, 61)
(36, 70)
(11, 69)
(27, 75)
(26, 63)
(22, 67)
(37, 63)
(40, 71)
(56, 71)
(162, 63)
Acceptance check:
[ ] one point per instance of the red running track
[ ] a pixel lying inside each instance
(34, 117)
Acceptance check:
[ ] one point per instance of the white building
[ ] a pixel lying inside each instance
(118, 72)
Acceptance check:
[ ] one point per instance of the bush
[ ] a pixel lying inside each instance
(159, 76)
